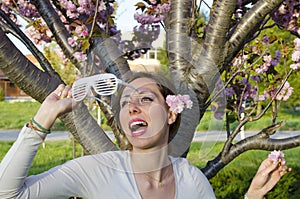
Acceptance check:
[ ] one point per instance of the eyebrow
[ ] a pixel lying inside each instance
(140, 92)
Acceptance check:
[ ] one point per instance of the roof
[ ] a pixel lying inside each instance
(2, 75)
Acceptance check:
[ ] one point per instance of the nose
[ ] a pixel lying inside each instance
(133, 107)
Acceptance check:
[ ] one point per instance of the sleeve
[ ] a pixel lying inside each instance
(58, 182)
(204, 187)
(193, 182)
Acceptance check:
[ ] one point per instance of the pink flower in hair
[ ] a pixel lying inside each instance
(178, 102)
(276, 155)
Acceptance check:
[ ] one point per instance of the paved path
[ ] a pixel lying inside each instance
(12, 135)
(221, 135)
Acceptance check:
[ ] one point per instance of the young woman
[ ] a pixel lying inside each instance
(145, 171)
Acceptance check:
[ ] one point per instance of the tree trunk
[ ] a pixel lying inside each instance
(39, 84)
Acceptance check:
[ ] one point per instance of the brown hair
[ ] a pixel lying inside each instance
(166, 87)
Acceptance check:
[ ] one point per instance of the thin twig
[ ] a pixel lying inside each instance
(94, 19)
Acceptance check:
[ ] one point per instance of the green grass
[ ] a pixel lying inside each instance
(231, 182)
(290, 116)
(54, 153)
(15, 115)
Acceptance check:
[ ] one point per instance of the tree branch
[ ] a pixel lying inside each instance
(57, 28)
(248, 25)
(179, 54)
(260, 141)
(29, 44)
(214, 47)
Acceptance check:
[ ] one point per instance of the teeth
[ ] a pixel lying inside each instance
(136, 124)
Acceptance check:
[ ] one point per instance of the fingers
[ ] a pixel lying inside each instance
(270, 166)
(66, 93)
(58, 91)
(283, 169)
(265, 164)
(63, 91)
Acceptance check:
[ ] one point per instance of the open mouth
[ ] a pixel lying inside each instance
(138, 127)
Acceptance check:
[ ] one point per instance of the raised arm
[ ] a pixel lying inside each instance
(16, 163)
(56, 104)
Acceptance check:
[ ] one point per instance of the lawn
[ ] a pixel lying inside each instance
(231, 182)
(15, 115)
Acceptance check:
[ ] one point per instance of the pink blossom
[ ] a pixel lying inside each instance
(72, 15)
(297, 43)
(267, 58)
(229, 92)
(85, 33)
(262, 98)
(148, 19)
(238, 15)
(295, 66)
(164, 8)
(265, 40)
(153, 1)
(285, 92)
(80, 56)
(81, 31)
(262, 69)
(178, 102)
(72, 41)
(60, 53)
(276, 155)
(70, 6)
(86, 7)
(186, 99)
(296, 56)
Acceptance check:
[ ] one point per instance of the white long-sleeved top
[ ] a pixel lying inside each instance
(108, 175)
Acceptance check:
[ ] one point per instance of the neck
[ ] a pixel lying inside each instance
(150, 161)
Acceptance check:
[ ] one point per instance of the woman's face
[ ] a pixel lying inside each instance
(144, 115)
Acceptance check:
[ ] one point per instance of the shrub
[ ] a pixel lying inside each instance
(1, 94)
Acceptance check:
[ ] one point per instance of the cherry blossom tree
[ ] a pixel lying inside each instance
(223, 65)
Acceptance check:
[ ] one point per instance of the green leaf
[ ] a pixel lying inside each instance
(140, 5)
(231, 118)
(85, 45)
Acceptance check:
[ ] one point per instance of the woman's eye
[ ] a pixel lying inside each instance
(124, 103)
(146, 99)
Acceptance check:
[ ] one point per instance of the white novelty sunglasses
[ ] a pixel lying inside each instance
(103, 84)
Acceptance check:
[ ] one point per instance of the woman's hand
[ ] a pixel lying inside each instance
(267, 176)
(56, 103)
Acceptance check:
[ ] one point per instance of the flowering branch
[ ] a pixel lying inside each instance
(261, 141)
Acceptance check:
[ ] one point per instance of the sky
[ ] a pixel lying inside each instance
(125, 13)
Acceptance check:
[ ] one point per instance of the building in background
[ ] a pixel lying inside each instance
(147, 62)
(11, 91)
